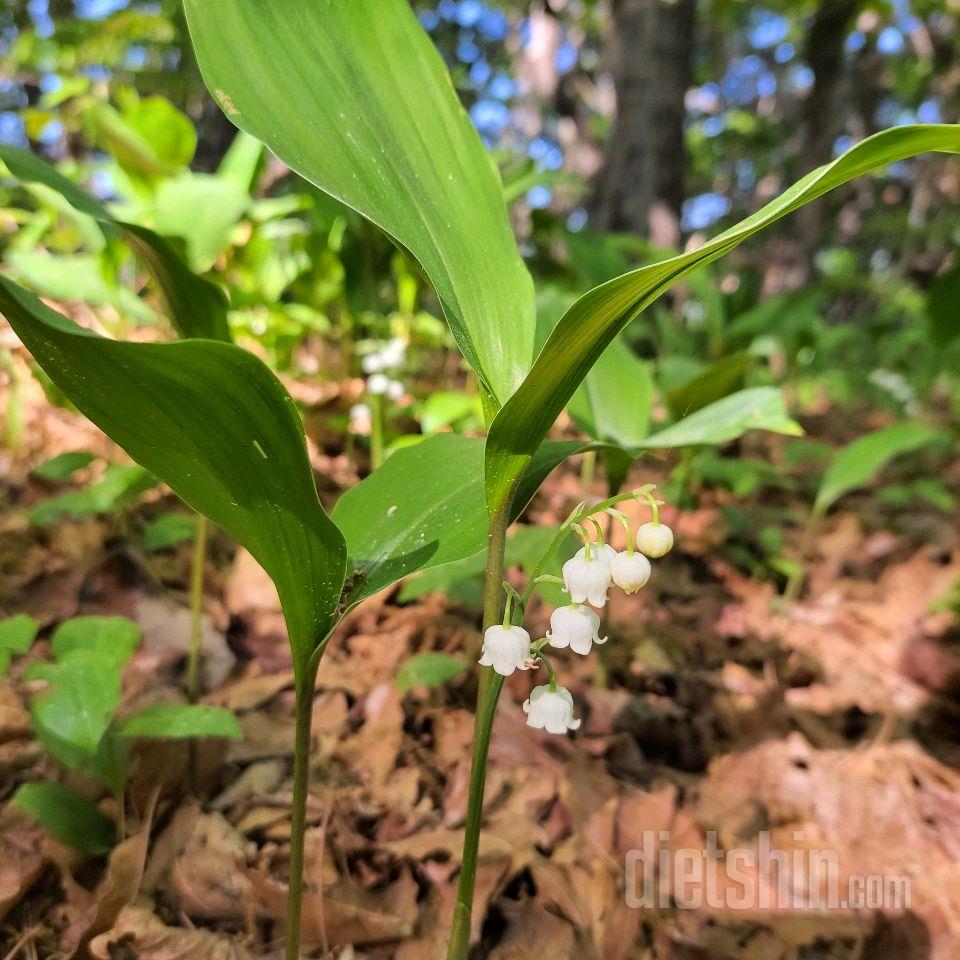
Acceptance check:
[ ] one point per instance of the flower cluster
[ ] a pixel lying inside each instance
(587, 577)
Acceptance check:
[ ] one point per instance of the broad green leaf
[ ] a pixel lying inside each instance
(430, 669)
(71, 718)
(63, 466)
(181, 721)
(422, 508)
(68, 816)
(152, 140)
(17, 633)
(717, 381)
(354, 97)
(757, 408)
(202, 209)
(75, 277)
(613, 403)
(211, 421)
(168, 531)
(113, 639)
(590, 325)
(856, 464)
(119, 485)
(943, 307)
(197, 307)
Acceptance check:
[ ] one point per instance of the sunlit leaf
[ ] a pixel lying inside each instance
(197, 307)
(355, 98)
(216, 425)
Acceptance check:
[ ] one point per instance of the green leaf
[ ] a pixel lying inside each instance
(422, 508)
(63, 466)
(717, 381)
(217, 426)
(75, 277)
(856, 464)
(202, 209)
(757, 408)
(17, 633)
(197, 307)
(73, 716)
(943, 308)
(355, 98)
(118, 485)
(68, 816)
(168, 531)
(168, 132)
(113, 639)
(613, 403)
(181, 721)
(590, 325)
(430, 669)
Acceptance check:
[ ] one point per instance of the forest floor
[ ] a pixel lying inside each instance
(715, 715)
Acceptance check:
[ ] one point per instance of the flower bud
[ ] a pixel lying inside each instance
(654, 539)
(586, 580)
(505, 649)
(574, 626)
(630, 571)
(550, 710)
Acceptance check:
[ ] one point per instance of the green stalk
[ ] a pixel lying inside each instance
(796, 579)
(487, 696)
(298, 819)
(377, 412)
(196, 609)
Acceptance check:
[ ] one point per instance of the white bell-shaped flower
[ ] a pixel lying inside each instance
(574, 626)
(550, 710)
(505, 649)
(630, 571)
(598, 551)
(587, 580)
(654, 539)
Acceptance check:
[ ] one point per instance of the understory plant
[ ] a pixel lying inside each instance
(74, 717)
(353, 97)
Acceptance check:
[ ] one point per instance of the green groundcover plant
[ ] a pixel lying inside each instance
(75, 718)
(353, 97)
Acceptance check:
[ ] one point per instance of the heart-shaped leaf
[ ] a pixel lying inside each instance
(215, 424)
(68, 816)
(354, 97)
(587, 328)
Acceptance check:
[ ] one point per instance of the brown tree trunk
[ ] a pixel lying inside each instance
(822, 115)
(652, 45)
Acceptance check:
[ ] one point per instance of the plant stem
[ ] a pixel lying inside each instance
(196, 609)
(796, 579)
(487, 696)
(298, 820)
(377, 405)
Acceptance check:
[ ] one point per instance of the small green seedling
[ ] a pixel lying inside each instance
(75, 718)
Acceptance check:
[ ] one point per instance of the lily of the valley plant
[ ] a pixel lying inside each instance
(352, 96)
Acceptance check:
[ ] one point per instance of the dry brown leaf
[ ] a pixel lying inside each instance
(139, 933)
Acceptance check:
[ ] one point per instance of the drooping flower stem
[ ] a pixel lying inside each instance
(487, 696)
(298, 819)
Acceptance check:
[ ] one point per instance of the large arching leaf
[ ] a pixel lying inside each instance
(354, 97)
(594, 320)
(215, 424)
